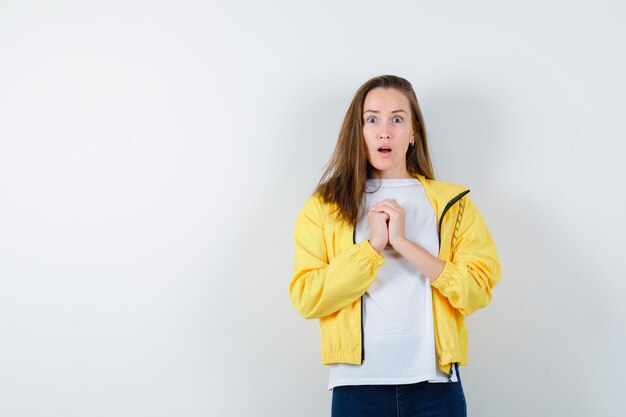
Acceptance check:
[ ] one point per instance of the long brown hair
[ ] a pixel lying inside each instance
(344, 178)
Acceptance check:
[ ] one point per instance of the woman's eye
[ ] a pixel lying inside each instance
(397, 119)
(370, 120)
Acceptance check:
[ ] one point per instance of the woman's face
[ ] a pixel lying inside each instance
(388, 130)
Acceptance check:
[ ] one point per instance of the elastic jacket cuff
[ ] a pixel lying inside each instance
(445, 277)
(366, 249)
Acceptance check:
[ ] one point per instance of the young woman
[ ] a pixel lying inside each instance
(390, 261)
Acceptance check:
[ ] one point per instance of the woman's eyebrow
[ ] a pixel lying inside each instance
(376, 111)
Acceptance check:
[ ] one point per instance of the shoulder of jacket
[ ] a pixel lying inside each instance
(316, 206)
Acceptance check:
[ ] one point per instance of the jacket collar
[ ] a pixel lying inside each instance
(439, 193)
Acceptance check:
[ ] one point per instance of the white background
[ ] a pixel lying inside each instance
(153, 157)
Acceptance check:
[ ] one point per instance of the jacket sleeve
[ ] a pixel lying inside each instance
(320, 286)
(474, 269)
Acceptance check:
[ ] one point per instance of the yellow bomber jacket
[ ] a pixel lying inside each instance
(332, 273)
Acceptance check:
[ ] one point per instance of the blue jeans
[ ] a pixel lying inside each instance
(445, 399)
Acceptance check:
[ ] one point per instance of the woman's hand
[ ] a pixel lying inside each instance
(430, 265)
(397, 215)
(379, 236)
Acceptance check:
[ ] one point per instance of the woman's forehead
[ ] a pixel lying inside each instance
(385, 100)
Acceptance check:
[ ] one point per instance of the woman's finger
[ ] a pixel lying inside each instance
(386, 207)
(378, 212)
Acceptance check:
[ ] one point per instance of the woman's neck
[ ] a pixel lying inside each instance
(389, 176)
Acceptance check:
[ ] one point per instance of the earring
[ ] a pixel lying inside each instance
(412, 144)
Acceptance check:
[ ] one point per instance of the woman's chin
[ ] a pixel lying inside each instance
(386, 166)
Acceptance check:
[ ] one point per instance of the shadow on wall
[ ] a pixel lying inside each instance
(551, 320)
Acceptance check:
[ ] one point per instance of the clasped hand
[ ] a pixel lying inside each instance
(386, 221)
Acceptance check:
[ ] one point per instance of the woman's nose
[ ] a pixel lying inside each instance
(384, 133)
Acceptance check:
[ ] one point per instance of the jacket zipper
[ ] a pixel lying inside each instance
(450, 204)
(362, 337)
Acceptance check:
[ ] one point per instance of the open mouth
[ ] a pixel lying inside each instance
(384, 150)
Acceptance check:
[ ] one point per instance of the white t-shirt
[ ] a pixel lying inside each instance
(398, 329)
